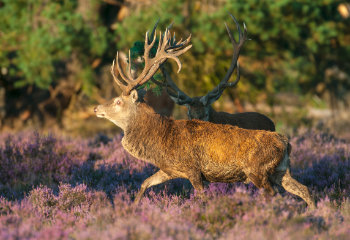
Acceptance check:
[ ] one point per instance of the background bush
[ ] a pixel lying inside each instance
(54, 54)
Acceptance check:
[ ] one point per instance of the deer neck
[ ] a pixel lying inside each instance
(211, 113)
(142, 136)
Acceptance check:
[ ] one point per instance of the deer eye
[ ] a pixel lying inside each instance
(117, 102)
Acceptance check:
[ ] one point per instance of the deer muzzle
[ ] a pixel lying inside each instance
(99, 113)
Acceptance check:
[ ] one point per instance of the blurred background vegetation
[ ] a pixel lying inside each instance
(55, 57)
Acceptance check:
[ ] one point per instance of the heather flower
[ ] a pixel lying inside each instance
(54, 187)
(43, 200)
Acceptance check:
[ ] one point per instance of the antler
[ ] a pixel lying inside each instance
(178, 96)
(166, 49)
(215, 94)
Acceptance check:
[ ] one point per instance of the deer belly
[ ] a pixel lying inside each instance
(218, 173)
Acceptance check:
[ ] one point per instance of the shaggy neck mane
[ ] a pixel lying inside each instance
(146, 123)
(146, 116)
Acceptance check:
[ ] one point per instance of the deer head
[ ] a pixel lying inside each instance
(200, 107)
(120, 110)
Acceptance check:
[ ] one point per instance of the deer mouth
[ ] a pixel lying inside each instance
(100, 115)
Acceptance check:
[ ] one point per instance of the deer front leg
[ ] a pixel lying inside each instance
(196, 181)
(157, 178)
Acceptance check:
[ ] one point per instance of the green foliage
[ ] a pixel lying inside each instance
(293, 43)
(39, 36)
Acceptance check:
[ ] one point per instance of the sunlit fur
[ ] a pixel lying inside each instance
(199, 150)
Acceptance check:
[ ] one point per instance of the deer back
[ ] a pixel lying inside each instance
(246, 120)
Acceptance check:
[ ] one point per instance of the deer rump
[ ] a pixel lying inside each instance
(221, 153)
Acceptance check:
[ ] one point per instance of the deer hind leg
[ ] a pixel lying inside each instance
(261, 182)
(157, 178)
(293, 186)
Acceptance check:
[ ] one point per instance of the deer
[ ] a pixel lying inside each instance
(193, 149)
(200, 107)
(161, 103)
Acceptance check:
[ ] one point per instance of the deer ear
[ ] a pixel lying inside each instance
(204, 100)
(134, 95)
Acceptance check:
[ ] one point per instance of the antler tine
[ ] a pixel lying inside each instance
(236, 46)
(129, 67)
(152, 64)
(238, 27)
(245, 33)
(230, 34)
(135, 82)
(160, 42)
(175, 57)
(179, 52)
(180, 43)
(240, 34)
(149, 64)
(175, 45)
(187, 40)
(148, 47)
(153, 30)
(161, 56)
(170, 25)
(120, 83)
(120, 70)
(165, 39)
(218, 90)
(174, 39)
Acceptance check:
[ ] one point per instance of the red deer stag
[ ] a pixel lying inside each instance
(200, 107)
(194, 149)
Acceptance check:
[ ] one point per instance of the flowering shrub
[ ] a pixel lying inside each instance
(58, 188)
(29, 159)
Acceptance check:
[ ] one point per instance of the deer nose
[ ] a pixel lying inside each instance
(95, 109)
